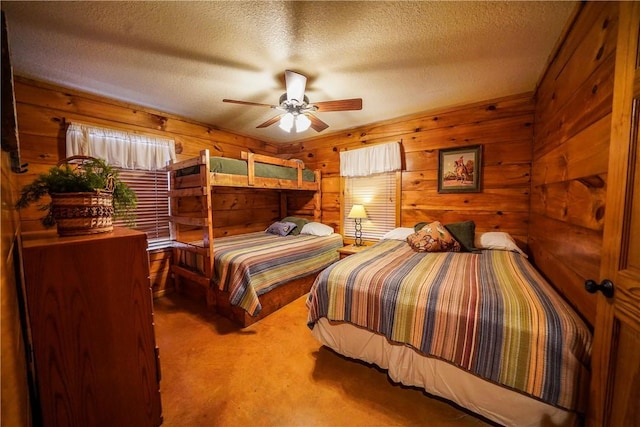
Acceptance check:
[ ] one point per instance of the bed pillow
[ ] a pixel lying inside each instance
(400, 233)
(498, 240)
(419, 226)
(299, 222)
(316, 229)
(464, 232)
(433, 237)
(281, 228)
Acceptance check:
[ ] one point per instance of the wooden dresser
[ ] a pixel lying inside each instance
(90, 313)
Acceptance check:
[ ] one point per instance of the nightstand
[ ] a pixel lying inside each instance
(345, 251)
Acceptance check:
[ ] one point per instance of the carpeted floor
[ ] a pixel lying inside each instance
(274, 373)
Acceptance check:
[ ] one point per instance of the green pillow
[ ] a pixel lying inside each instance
(419, 226)
(464, 232)
(299, 222)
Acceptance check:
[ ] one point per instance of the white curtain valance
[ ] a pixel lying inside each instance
(118, 148)
(371, 160)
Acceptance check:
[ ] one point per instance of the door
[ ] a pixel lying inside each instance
(615, 384)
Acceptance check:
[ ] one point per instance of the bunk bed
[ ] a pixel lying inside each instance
(482, 329)
(201, 260)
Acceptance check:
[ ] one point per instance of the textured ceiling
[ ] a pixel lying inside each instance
(185, 57)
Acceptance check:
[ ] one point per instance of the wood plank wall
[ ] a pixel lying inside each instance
(570, 154)
(504, 129)
(14, 391)
(544, 184)
(43, 110)
(15, 384)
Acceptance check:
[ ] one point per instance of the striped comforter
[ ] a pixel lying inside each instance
(491, 314)
(249, 265)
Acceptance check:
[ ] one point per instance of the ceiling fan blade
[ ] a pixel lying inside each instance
(269, 122)
(339, 105)
(233, 101)
(296, 84)
(317, 124)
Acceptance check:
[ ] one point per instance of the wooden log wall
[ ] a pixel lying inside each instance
(14, 390)
(570, 154)
(44, 109)
(544, 184)
(504, 129)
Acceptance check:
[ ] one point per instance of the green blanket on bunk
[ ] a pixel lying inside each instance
(239, 167)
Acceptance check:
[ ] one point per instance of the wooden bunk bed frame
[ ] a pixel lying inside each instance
(199, 186)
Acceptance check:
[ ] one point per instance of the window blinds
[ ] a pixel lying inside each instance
(152, 213)
(377, 193)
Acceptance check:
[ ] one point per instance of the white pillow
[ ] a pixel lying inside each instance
(497, 240)
(316, 229)
(400, 233)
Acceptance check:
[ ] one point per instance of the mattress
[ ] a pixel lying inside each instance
(251, 264)
(230, 166)
(407, 366)
(490, 315)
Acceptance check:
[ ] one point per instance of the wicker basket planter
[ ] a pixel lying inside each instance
(82, 213)
(86, 196)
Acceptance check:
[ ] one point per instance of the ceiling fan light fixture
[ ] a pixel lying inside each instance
(295, 109)
(302, 123)
(286, 122)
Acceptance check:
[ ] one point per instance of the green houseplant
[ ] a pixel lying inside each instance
(84, 197)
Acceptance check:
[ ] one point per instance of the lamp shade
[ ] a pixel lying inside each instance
(357, 211)
(302, 123)
(286, 122)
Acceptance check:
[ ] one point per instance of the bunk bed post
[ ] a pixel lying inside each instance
(284, 211)
(174, 229)
(251, 168)
(206, 206)
(317, 198)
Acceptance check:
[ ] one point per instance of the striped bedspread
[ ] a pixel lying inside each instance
(491, 314)
(249, 265)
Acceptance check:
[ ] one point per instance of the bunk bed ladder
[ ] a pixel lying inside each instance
(202, 219)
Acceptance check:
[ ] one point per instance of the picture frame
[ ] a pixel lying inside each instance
(460, 169)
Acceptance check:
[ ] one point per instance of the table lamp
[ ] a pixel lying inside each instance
(357, 213)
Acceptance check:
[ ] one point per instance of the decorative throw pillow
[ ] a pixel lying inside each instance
(316, 229)
(299, 222)
(464, 232)
(433, 237)
(281, 228)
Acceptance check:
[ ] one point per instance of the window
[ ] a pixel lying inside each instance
(378, 194)
(140, 160)
(372, 179)
(152, 213)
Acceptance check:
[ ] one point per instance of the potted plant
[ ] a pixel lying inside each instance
(85, 197)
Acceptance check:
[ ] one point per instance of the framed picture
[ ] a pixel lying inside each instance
(460, 169)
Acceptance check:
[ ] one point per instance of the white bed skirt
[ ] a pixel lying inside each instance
(406, 366)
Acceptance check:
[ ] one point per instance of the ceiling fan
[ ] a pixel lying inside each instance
(297, 109)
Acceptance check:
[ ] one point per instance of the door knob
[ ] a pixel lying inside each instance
(606, 287)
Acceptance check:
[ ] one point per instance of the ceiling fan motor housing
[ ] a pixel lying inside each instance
(283, 100)
(295, 107)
